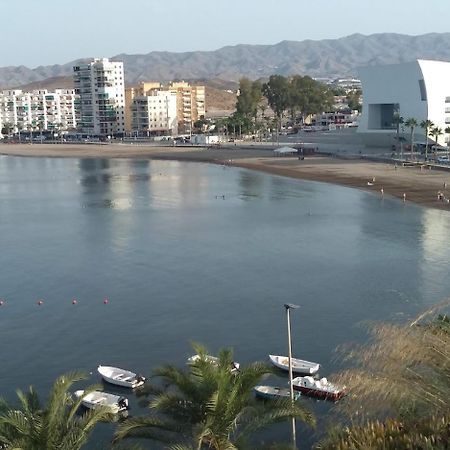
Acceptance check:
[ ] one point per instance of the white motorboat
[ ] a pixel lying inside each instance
(273, 392)
(213, 360)
(318, 388)
(298, 365)
(120, 377)
(97, 399)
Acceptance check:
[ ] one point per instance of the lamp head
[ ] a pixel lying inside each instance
(291, 306)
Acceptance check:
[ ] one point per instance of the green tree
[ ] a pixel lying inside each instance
(353, 100)
(53, 426)
(427, 125)
(7, 128)
(276, 90)
(411, 123)
(250, 94)
(208, 407)
(308, 96)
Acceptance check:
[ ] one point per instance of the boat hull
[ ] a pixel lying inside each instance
(299, 366)
(324, 395)
(120, 377)
(98, 399)
(273, 393)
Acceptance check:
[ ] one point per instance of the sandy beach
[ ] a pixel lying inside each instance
(420, 185)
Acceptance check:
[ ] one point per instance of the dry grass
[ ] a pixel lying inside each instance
(404, 370)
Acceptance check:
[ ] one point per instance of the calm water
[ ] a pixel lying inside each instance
(179, 263)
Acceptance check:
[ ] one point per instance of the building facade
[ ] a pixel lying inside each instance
(100, 85)
(418, 89)
(190, 102)
(38, 110)
(155, 114)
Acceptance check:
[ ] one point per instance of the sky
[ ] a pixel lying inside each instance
(46, 32)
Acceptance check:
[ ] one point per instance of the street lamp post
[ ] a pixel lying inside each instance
(288, 307)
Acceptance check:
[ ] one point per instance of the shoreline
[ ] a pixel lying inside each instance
(420, 185)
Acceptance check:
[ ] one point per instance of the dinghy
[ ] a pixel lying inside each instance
(120, 377)
(273, 392)
(213, 360)
(298, 365)
(97, 399)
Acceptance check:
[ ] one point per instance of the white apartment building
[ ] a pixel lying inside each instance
(38, 109)
(155, 113)
(101, 87)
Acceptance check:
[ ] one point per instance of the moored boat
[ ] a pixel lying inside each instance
(274, 392)
(213, 360)
(97, 399)
(318, 388)
(120, 377)
(298, 365)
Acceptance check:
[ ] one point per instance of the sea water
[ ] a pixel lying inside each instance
(158, 254)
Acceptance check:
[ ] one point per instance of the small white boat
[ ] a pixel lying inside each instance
(298, 365)
(273, 392)
(97, 399)
(318, 388)
(213, 360)
(120, 377)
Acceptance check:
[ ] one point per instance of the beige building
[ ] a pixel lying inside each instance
(155, 114)
(190, 102)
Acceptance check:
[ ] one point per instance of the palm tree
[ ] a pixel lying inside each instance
(411, 123)
(398, 120)
(19, 128)
(208, 406)
(54, 426)
(427, 125)
(436, 132)
(41, 126)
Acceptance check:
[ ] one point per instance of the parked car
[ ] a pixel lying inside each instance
(442, 159)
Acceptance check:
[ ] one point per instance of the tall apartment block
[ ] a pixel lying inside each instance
(100, 85)
(38, 109)
(190, 103)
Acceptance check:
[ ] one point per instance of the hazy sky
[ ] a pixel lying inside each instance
(43, 32)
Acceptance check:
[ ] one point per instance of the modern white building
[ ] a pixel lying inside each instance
(418, 89)
(101, 87)
(38, 109)
(155, 114)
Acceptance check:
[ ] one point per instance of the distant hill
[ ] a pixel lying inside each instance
(325, 58)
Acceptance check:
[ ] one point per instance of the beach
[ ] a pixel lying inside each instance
(413, 184)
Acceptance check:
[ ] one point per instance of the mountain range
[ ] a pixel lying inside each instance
(329, 58)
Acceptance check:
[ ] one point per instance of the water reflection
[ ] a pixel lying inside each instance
(251, 184)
